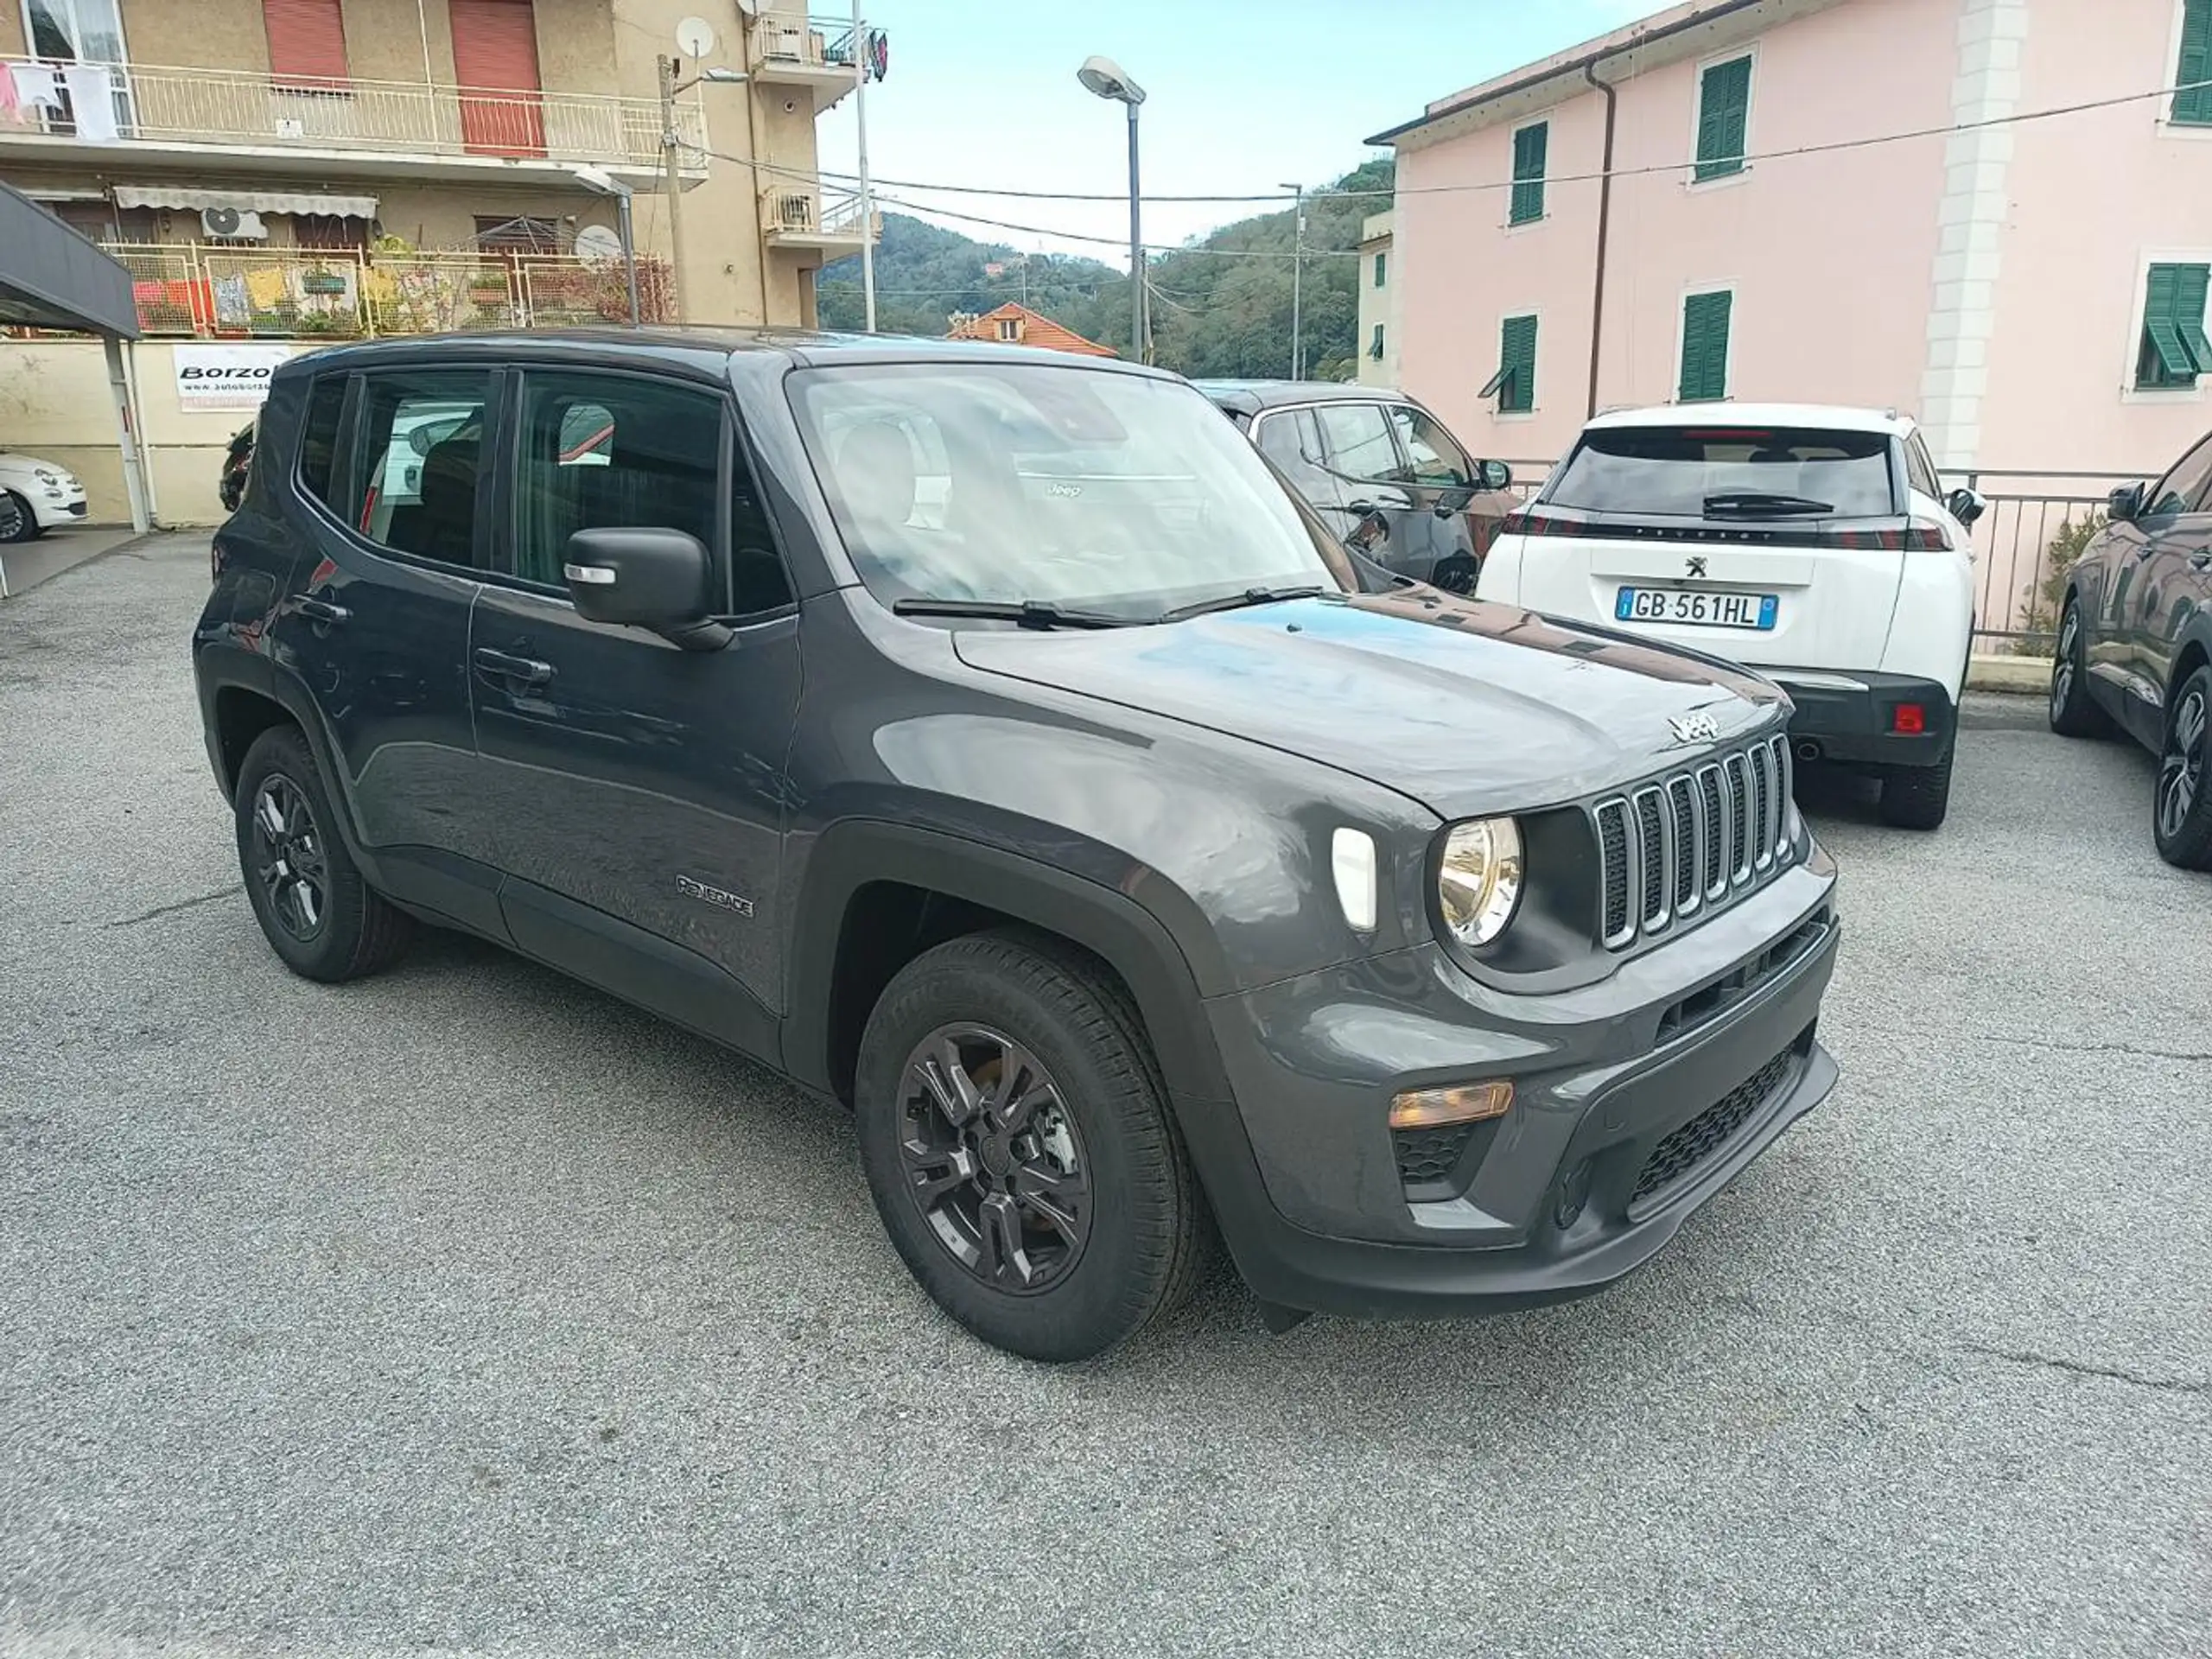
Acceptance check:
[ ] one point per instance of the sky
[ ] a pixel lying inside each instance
(1241, 96)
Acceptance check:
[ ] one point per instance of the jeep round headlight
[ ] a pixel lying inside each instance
(1479, 883)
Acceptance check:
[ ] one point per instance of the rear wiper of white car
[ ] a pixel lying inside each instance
(1754, 503)
(1030, 613)
(1239, 601)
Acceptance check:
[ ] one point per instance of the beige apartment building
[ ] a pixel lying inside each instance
(288, 172)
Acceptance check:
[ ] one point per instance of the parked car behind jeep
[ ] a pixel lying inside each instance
(1380, 470)
(986, 737)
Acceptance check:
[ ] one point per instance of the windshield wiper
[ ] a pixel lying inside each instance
(1030, 613)
(1239, 601)
(1756, 502)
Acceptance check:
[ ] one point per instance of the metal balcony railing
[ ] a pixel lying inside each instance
(223, 108)
(816, 214)
(790, 39)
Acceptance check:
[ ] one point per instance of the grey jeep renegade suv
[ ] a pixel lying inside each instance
(990, 739)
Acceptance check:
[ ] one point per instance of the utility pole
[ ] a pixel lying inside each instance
(1297, 279)
(672, 186)
(867, 209)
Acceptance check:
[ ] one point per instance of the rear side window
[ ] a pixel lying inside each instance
(421, 446)
(319, 435)
(1680, 471)
(1288, 438)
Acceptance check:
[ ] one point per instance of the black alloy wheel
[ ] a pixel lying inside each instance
(2182, 816)
(2072, 713)
(16, 523)
(288, 859)
(992, 1159)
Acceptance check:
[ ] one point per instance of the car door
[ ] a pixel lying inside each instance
(1361, 448)
(640, 787)
(377, 628)
(2170, 577)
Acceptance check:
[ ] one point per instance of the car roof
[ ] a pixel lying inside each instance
(799, 347)
(1249, 396)
(1842, 416)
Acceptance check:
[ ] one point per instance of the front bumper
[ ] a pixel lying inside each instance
(68, 508)
(1622, 1127)
(1850, 718)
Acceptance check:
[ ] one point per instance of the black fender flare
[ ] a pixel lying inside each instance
(1104, 920)
(228, 668)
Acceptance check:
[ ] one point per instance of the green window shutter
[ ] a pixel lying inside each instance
(1723, 116)
(1529, 145)
(1379, 258)
(1705, 346)
(2173, 328)
(2192, 105)
(1517, 366)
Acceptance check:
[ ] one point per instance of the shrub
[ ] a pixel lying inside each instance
(2047, 590)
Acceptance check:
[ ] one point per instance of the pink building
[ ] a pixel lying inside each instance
(2034, 289)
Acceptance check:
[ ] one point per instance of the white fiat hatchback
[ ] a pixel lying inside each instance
(1815, 544)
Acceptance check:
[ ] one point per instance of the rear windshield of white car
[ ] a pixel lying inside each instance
(1729, 472)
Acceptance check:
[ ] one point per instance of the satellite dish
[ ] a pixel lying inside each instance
(597, 245)
(694, 37)
(748, 9)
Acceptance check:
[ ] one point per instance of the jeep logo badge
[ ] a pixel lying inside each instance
(1693, 728)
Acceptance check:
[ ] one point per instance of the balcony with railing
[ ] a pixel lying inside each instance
(272, 124)
(802, 216)
(792, 49)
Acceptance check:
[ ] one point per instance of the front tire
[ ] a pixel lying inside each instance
(2073, 712)
(2181, 805)
(18, 523)
(1917, 798)
(1016, 1137)
(317, 912)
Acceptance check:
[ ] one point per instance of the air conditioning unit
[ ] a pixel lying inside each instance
(233, 224)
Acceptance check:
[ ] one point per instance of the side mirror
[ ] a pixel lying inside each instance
(2126, 504)
(1496, 475)
(644, 577)
(1966, 505)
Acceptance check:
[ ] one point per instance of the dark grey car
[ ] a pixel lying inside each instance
(2134, 648)
(1380, 470)
(987, 738)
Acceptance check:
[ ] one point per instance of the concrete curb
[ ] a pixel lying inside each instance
(2008, 674)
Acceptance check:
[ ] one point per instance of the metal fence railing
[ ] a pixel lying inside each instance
(225, 293)
(802, 42)
(795, 210)
(2034, 525)
(224, 108)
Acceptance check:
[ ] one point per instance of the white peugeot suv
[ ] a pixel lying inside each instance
(1815, 544)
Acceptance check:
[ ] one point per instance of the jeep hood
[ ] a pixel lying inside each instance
(1465, 707)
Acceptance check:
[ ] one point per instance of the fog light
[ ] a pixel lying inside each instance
(1909, 720)
(1466, 1103)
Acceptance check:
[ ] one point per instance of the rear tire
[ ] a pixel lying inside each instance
(2181, 802)
(2073, 712)
(317, 912)
(1054, 1221)
(1917, 798)
(17, 522)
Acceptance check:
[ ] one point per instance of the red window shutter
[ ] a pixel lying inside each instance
(307, 42)
(495, 49)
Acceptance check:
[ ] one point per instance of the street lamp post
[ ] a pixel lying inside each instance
(1296, 278)
(1104, 77)
(669, 86)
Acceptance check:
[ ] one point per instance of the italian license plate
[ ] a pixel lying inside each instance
(1753, 611)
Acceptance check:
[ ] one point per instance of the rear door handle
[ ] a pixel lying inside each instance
(526, 670)
(321, 610)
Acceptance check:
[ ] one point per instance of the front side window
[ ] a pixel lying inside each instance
(2192, 104)
(1731, 472)
(1433, 456)
(2183, 489)
(1358, 436)
(1724, 107)
(2173, 350)
(1075, 486)
(420, 444)
(1529, 145)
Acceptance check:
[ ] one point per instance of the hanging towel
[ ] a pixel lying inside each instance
(264, 285)
(36, 85)
(11, 109)
(91, 101)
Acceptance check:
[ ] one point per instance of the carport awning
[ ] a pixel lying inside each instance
(247, 201)
(51, 277)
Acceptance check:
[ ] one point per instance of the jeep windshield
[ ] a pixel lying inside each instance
(1068, 490)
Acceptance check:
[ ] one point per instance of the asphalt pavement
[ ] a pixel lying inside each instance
(467, 1310)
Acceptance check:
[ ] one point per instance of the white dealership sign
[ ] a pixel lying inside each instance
(225, 377)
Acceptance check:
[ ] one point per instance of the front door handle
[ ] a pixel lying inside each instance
(2200, 559)
(499, 665)
(321, 611)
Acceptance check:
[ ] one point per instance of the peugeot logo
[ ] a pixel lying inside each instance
(1693, 728)
(1697, 565)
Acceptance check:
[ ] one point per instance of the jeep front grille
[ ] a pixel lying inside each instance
(1671, 847)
